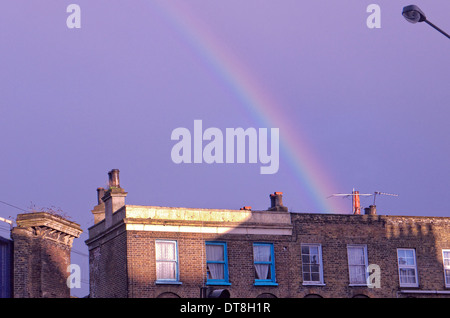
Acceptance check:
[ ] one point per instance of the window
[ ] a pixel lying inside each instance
(312, 264)
(357, 264)
(407, 269)
(166, 261)
(216, 263)
(264, 262)
(446, 261)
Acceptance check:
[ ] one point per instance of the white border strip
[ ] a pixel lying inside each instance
(207, 229)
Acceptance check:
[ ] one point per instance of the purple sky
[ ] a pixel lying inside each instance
(373, 104)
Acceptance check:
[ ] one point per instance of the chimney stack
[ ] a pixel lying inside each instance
(276, 202)
(42, 243)
(371, 210)
(114, 197)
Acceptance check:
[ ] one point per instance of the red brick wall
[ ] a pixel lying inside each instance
(192, 266)
(40, 266)
(107, 266)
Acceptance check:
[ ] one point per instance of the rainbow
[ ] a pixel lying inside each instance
(309, 171)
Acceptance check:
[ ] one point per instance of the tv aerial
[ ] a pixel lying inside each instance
(356, 204)
(382, 193)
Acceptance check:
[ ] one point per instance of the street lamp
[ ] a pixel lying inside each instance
(413, 14)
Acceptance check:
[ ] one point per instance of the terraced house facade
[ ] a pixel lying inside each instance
(148, 251)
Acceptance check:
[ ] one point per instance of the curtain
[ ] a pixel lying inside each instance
(261, 253)
(357, 268)
(447, 266)
(215, 253)
(166, 270)
(166, 260)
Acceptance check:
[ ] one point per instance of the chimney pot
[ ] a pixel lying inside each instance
(114, 178)
(356, 203)
(246, 208)
(371, 210)
(100, 194)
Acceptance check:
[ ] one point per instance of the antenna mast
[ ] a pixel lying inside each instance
(356, 205)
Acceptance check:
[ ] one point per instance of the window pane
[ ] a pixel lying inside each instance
(407, 276)
(357, 274)
(410, 261)
(166, 270)
(306, 277)
(410, 272)
(215, 253)
(403, 276)
(305, 259)
(406, 257)
(314, 250)
(315, 277)
(356, 256)
(262, 271)
(305, 249)
(165, 251)
(261, 253)
(447, 276)
(215, 271)
(306, 268)
(411, 276)
(314, 268)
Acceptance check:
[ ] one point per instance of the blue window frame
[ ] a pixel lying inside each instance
(264, 264)
(216, 263)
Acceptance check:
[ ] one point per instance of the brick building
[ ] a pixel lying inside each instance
(5, 267)
(41, 244)
(148, 251)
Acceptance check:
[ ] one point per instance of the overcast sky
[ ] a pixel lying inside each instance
(356, 107)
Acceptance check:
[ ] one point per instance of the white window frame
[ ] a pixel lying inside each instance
(403, 266)
(446, 267)
(177, 276)
(319, 247)
(366, 264)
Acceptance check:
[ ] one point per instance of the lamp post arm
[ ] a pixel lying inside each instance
(435, 27)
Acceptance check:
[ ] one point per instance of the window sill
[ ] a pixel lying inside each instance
(265, 284)
(409, 286)
(167, 282)
(313, 284)
(358, 285)
(218, 284)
